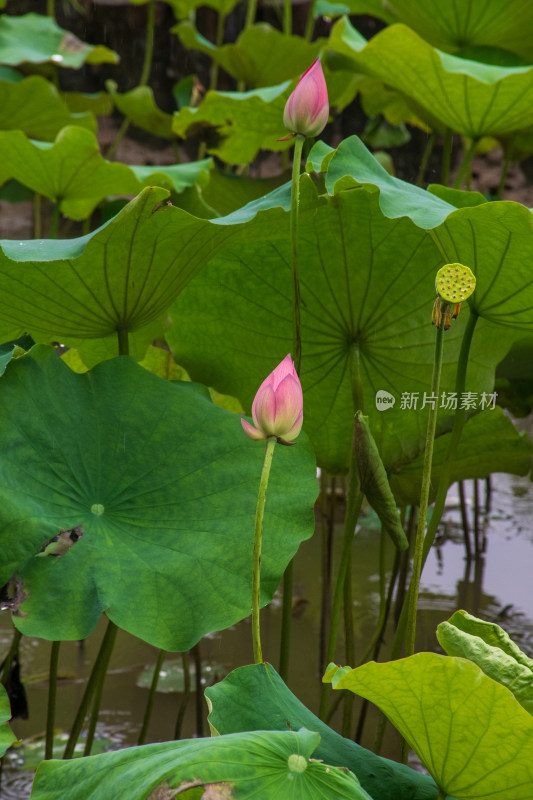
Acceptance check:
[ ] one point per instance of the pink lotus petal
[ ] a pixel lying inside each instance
(289, 403)
(252, 432)
(307, 109)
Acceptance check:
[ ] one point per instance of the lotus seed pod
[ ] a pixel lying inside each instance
(455, 283)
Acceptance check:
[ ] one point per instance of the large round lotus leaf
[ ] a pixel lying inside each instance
(164, 486)
(468, 97)
(124, 276)
(35, 39)
(470, 733)
(454, 26)
(261, 764)
(34, 106)
(140, 108)
(367, 289)
(73, 173)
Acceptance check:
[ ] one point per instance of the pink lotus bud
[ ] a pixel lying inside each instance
(277, 409)
(307, 108)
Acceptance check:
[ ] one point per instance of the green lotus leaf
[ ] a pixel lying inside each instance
(7, 737)
(236, 125)
(71, 172)
(227, 192)
(470, 733)
(265, 764)
(140, 108)
(374, 8)
(163, 486)
(352, 164)
(504, 25)
(493, 650)
(121, 277)
(489, 443)
(35, 107)
(36, 39)
(367, 287)
(176, 177)
(469, 97)
(255, 698)
(262, 55)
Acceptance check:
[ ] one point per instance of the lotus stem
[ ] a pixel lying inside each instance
(123, 341)
(418, 557)
(446, 156)
(37, 215)
(151, 697)
(186, 666)
(198, 689)
(464, 169)
(287, 17)
(256, 572)
(295, 213)
(425, 159)
(52, 692)
(100, 663)
(54, 222)
(105, 650)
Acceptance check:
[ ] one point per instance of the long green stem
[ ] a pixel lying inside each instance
(425, 159)
(54, 222)
(198, 689)
(354, 502)
(185, 661)
(465, 165)
(258, 536)
(123, 342)
(151, 698)
(52, 692)
(446, 157)
(149, 45)
(349, 646)
(86, 699)
(286, 620)
(310, 24)
(445, 473)
(328, 517)
(287, 17)
(251, 10)
(424, 496)
(103, 662)
(295, 213)
(37, 215)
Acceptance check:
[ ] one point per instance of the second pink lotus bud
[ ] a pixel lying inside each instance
(307, 109)
(277, 409)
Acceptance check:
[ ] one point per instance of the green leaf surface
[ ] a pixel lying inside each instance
(123, 276)
(474, 22)
(352, 164)
(35, 107)
(7, 737)
(99, 103)
(262, 55)
(265, 764)
(255, 698)
(236, 125)
(493, 650)
(164, 486)
(140, 108)
(183, 8)
(489, 443)
(36, 39)
(367, 287)
(470, 733)
(469, 97)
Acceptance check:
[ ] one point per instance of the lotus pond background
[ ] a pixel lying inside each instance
(145, 293)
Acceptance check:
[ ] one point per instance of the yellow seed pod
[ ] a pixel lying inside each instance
(455, 283)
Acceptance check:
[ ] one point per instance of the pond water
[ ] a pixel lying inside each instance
(496, 586)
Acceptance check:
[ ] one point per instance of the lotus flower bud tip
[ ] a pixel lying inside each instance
(307, 109)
